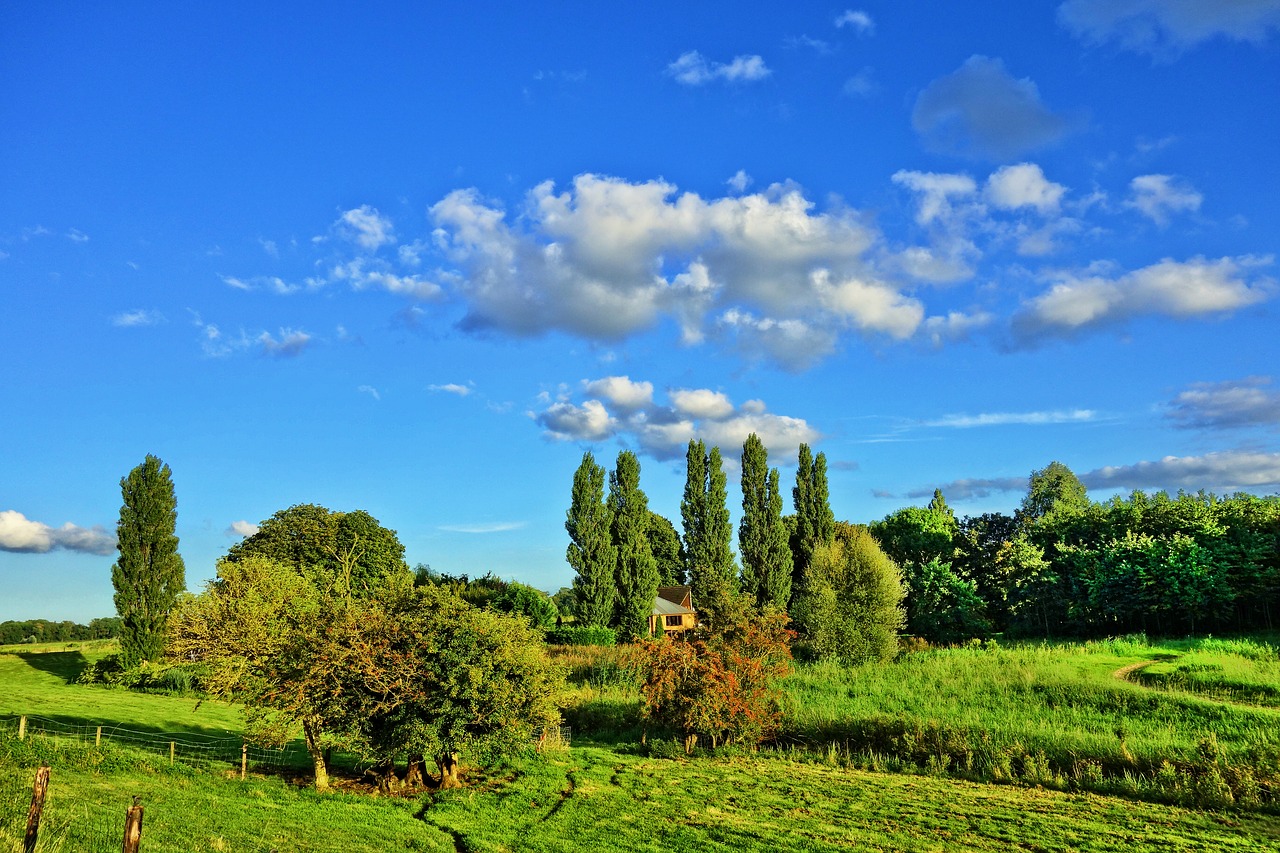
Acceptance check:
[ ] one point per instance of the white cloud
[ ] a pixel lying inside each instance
(451, 388)
(75, 235)
(664, 431)
(694, 69)
(137, 317)
(366, 227)
(1225, 471)
(567, 422)
(1163, 28)
(1181, 289)
(701, 403)
(262, 282)
(1024, 185)
(856, 20)
(290, 343)
(937, 193)
(739, 182)
(966, 489)
(1159, 196)
(22, 535)
(621, 391)
(243, 529)
(370, 390)
(1014, 419)
(362, 273)
(1227, 405)
(980, 110)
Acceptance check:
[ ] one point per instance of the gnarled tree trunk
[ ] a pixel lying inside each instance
(448, 764)
(311, 733)
(416, 773)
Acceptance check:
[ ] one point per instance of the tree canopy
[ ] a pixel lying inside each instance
(636, 572)
(762, 535)
(591, 552)
(850, 606)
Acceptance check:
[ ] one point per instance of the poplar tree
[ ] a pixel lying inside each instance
(707, 531)
(591, 551)
(815, 523)
(636, 572)
(149, 573)
(762, 534)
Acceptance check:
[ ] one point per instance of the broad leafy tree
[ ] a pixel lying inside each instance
(149, 573)
(762, 535)
(636, 572)
(591, 551)
(850, 606)
(1053, 488)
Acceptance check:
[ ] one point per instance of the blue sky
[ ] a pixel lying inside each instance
(416, 258)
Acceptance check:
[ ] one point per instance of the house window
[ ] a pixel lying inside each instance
(675, 621)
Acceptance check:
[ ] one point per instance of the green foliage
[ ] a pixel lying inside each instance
(762, 535)
(712, 572)
(942, 607)
(345, 554)
(915, 535)
(636, 572)
(851, 604)
(1052, 489)
(49, 631)
(533, 604)
(668, 552)
(814, 521)
(582, 635)
(149, 573)
(591, 551)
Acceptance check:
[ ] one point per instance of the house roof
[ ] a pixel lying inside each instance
(676, 594)
(662, 607)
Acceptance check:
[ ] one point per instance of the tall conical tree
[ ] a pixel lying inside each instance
(762, 535)
(636, 571)
(591, 551)
(708, 532)
(815, 523)
(149, 573)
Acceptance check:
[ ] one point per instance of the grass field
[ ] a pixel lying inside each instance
(919, 716)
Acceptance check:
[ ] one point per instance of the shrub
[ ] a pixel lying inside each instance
(582, 635)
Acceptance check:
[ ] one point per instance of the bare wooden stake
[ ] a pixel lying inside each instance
(171, 751)
(97, 739)
(22, 727)
(38, 791)
(244, 760)
(133, 827)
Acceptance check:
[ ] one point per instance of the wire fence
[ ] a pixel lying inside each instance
(208, 752)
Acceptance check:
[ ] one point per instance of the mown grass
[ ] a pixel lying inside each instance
(1240, 671)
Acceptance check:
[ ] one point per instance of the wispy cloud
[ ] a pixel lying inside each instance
(1014, 419)
(452, 388)
(857, 20)
(137, 317)
(1165, 28)
(370, 390)
(493, 527)
(1234, 404)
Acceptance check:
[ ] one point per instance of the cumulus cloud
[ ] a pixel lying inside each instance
(607, 258)
(1158, 197)
(365, 227)
(1024, 186)
(980, 110)
(664, 430)
(857, 20)
(1234, 404)
(1080, 301)
(621, 392)
(242, 528)
(694, 69)
(21, 535)
(1163, 28)
(137, 317)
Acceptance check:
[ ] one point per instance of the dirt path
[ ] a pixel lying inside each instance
(1124, 672)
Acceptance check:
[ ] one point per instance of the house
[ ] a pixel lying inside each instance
(674, 607)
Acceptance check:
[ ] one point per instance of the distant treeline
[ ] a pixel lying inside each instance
(48, 631)
(1065, 566)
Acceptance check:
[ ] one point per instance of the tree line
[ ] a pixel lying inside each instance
(49, 631)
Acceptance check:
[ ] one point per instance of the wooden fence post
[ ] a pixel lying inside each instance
(38, 790)
(22, 727)
(97, 739)
(133, 827)
(172, 750)
(244, 760)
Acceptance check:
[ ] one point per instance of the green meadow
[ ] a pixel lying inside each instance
(1036, 747)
